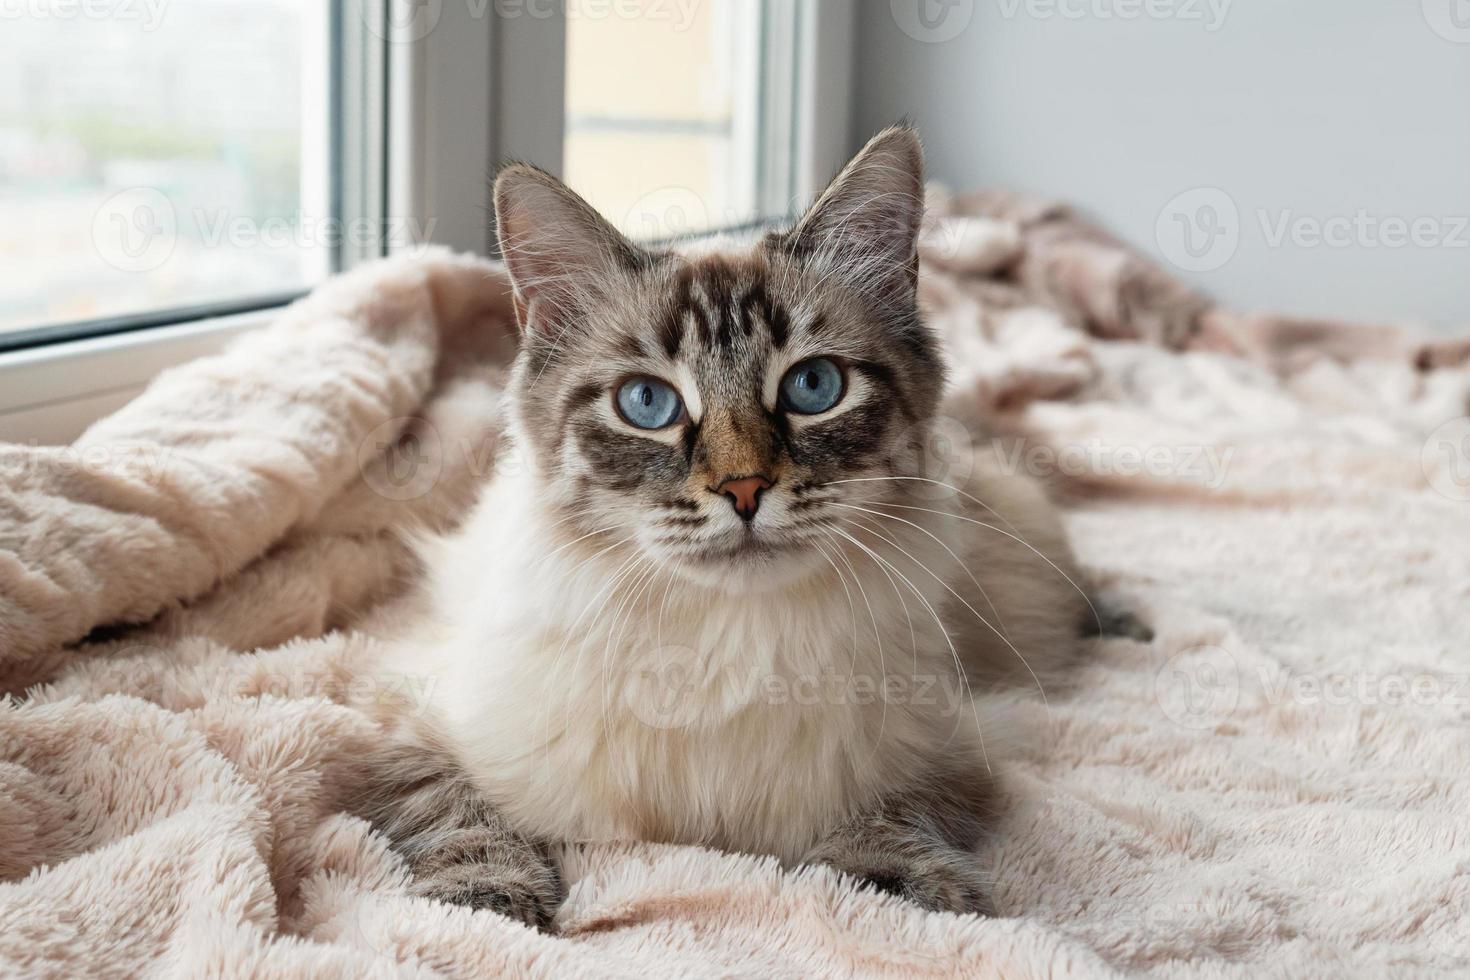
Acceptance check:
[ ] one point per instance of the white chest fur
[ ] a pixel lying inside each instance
(594, 696)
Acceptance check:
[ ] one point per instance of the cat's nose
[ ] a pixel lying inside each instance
(745, 494)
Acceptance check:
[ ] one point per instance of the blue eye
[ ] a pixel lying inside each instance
(812, 386)
(648, 403)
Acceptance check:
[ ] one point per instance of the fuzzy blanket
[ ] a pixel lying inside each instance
(1275, 784)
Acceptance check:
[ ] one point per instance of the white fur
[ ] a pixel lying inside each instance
(546, 682)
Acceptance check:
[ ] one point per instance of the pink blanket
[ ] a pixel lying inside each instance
(1275, 784)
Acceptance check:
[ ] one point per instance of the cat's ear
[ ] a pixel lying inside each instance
(865, 226)
(562, 255)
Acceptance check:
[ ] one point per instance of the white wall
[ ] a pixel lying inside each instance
(1304, 110)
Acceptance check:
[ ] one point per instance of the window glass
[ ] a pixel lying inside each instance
(161, 153)
(662, 112)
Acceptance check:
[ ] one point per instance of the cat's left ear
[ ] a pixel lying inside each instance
(562, 255)
(865, 226)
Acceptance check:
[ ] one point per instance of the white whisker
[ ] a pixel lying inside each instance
(878, 638)
(938, 621)
(1003, 638)
(1013, 536)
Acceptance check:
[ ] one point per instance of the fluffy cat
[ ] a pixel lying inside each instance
(721, 602)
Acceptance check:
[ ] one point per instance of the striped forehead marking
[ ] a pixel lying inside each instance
(713, 303)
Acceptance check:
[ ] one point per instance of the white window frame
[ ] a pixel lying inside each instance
(479, 89)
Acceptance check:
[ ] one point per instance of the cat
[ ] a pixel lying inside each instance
(723, 603)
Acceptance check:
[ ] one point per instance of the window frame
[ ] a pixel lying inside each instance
(49, 394)
(454, 106)
(329, 25)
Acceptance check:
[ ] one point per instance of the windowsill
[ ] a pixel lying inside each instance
(50, 394)
(63, 333)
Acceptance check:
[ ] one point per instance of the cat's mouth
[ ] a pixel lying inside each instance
(745, 548)
(746, 560)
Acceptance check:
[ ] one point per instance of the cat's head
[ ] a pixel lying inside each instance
(710, 407)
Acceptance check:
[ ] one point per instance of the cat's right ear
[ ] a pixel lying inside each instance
(864, 228)
(562, 255)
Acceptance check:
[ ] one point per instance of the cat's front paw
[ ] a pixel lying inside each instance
(944, 880)
(530, 895)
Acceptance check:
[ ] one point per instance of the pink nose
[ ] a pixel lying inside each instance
(744, 494)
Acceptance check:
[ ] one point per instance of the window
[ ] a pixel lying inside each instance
(686, 117)
(663, 113)
(163, 162)
(155, 156)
